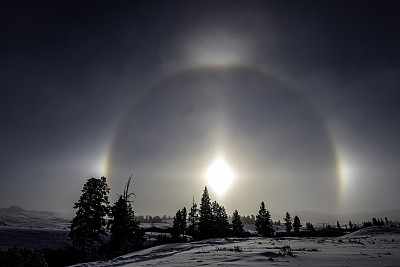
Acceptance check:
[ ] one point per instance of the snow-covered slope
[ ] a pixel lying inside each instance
(33, 229)
(368, 247)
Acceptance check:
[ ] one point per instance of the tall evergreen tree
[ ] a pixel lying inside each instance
(205, 220)
(288, 223)
(193, 228)
(296, 224)
(310, 227)
(89, 225)
(126, 234)
(176, 226)
(237, 225)
(263, 222)
(183, 222)
(220, 224)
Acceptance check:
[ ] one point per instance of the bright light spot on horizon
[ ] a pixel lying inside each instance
(220, 176)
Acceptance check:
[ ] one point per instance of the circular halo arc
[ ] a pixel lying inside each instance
(166, 78)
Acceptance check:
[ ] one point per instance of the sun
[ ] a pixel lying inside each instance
(219, 176)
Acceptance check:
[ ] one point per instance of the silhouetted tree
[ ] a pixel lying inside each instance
(88, 226)
(237, 225)
(205, 220)
(296, 224)
(350, 225)
(375, 222)
(338, 225)
(310, 227)
(193, 228)
(126, 234)
(183, 222)
(220, 222)
(176, 226)
(263, 222)
(288, 223)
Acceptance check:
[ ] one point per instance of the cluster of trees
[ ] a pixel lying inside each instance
(89, 227)
(207, 221)
(151, 219)
(211, 220)
(296, 225)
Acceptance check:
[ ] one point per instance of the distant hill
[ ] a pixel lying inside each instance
(12, 209)
(33, 229)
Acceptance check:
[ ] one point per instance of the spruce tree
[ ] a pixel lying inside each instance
(193, 228)
(126, 234)
(89, 225)
(296, 224)
(183, 222)
(263, 222)
(288, 223)
(176, 226)
(205, 220)
(237, 225)
(220, 222)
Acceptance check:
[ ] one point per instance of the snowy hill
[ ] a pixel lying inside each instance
(33, 229)
(373, 246)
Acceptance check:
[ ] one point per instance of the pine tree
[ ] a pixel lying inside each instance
(88, 226)
(220, 222)
(126, 234)
(237, 225)
(183, 222)
(288, 223)
(193, 228)
(338, 225)
(310, 227)
(176, 226)
(296, 224)
(263, 222)
(205, 220)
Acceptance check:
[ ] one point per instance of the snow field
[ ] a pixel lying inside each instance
(372, 247)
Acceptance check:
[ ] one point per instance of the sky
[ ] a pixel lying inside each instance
(298, 98)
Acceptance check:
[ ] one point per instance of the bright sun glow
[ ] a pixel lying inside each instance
(219, 176)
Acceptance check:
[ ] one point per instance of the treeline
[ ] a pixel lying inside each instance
(151, 219)
(210, 220)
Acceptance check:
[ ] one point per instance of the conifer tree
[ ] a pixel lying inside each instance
(205, 220)
(288, 223)
(237, 225)
(263, 222)
(176, 226)
(220, 222)
(126, 234)
(310, 227)
(89, 225)
(296, 224)
(183, 222)
(193, 228)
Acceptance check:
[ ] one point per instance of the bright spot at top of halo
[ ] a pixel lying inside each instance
(219, 176)
(218, 48)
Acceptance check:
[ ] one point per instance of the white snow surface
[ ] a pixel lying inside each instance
(374, 246)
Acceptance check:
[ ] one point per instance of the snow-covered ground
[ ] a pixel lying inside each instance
(33, 229)
(375, 246)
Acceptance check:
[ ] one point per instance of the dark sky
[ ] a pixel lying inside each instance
(300, 98)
